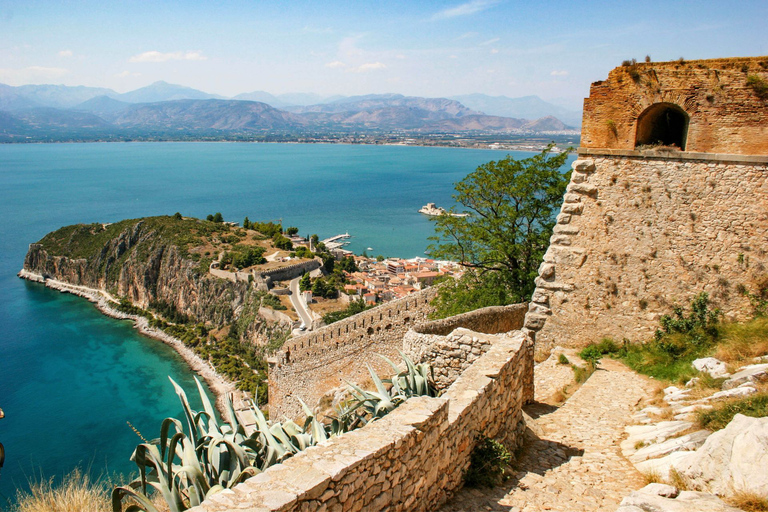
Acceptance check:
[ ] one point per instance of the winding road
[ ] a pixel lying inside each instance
(299, 305)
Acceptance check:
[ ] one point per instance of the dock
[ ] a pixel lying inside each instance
(334, 241)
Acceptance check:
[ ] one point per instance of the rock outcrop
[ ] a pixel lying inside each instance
(665, 498)
(732, 459)
(143, 260)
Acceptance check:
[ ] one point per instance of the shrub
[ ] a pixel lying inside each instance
(561, 359)
(759, 86)
(718, 418)
(488, 463)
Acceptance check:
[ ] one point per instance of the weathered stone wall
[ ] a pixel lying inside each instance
(412, 459)
(639, 233)
(490, 320)
(452, 344)
(292, 271)
(311, 365)
(726, 114)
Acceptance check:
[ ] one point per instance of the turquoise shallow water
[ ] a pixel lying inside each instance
(70, 378)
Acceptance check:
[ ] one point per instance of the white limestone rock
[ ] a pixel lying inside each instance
(661, 466)
(743, 390)
(647, 499)
(714, 367)
(734, 458)
(751, 373)
(687, 442)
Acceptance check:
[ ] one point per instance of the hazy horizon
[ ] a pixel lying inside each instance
(428, 49)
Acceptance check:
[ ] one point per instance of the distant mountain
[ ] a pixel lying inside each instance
(546, 124)
(442, 107)
(61, 96)
(58, 120)
(163, 91)
(103, 106)
(526, 107)
(476, 123)
(196, 115)
(262, 97)
(10, 99)
(301, 98)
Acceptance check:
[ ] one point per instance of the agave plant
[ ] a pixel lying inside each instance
(365, 406)
(183, 467)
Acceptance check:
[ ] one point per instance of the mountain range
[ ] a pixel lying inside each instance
(35, 111)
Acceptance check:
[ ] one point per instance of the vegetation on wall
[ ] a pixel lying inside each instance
(511, 206)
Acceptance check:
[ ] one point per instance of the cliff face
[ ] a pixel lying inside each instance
(142, 260)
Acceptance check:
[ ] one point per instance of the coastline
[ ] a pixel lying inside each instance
(219, 385)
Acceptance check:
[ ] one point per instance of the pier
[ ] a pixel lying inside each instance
(334, 243)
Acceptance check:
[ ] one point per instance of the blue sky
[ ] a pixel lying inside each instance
(512, 48)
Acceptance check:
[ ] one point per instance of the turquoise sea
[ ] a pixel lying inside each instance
(71, 378)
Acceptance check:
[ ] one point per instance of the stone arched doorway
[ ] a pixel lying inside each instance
(663, 124)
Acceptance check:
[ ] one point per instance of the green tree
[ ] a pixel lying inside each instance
(217, 217)
(291, 231)
(247, 223)
(511, 206)
(177, 216)
(305, 283)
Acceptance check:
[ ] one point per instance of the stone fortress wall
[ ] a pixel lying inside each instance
(412, 459)
(645, 228)
(311, 365)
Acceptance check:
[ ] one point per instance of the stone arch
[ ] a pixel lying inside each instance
(662, 123)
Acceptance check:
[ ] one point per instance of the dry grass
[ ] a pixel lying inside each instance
(748, 501)
(741, 342)
(76, 492)
(678, 480)
(652, 477)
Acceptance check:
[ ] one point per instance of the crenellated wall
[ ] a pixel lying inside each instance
(412, 459)
(311, 365)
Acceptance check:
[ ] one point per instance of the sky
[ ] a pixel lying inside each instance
(552, 49)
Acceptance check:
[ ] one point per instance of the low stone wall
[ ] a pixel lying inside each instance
(412, 459)
(490, 320)
(448, 355)
(292, 271)
(452, 344)
(316, 363)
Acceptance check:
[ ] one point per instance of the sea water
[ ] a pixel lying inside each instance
(70, 378)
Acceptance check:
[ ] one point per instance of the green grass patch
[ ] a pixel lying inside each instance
(755, 406)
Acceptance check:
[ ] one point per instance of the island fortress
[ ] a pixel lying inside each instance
(668, 198)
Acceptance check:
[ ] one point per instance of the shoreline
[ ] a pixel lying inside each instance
(219, 385)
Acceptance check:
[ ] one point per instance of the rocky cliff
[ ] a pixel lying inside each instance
(155, 259)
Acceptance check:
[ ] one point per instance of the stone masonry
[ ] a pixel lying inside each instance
(643, 230)
(412, 459)
(311, 365)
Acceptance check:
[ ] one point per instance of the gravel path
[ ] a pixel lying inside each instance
(571, 461)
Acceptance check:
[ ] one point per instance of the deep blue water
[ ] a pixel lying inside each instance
(71, 378)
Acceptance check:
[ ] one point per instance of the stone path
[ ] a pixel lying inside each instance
(571, 461)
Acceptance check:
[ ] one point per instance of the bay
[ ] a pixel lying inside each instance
(70, 378)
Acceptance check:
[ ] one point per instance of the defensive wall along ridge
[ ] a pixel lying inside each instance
(311, 365)
(415, 457)
(669, 198)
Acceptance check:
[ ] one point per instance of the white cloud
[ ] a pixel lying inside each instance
(155, 56)
(465, 9)
(65, 53)
(31, 74)
(494, 50)
(559, 73)
(467, 35)
(490, 41)
(368, 66)
(336, 64)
